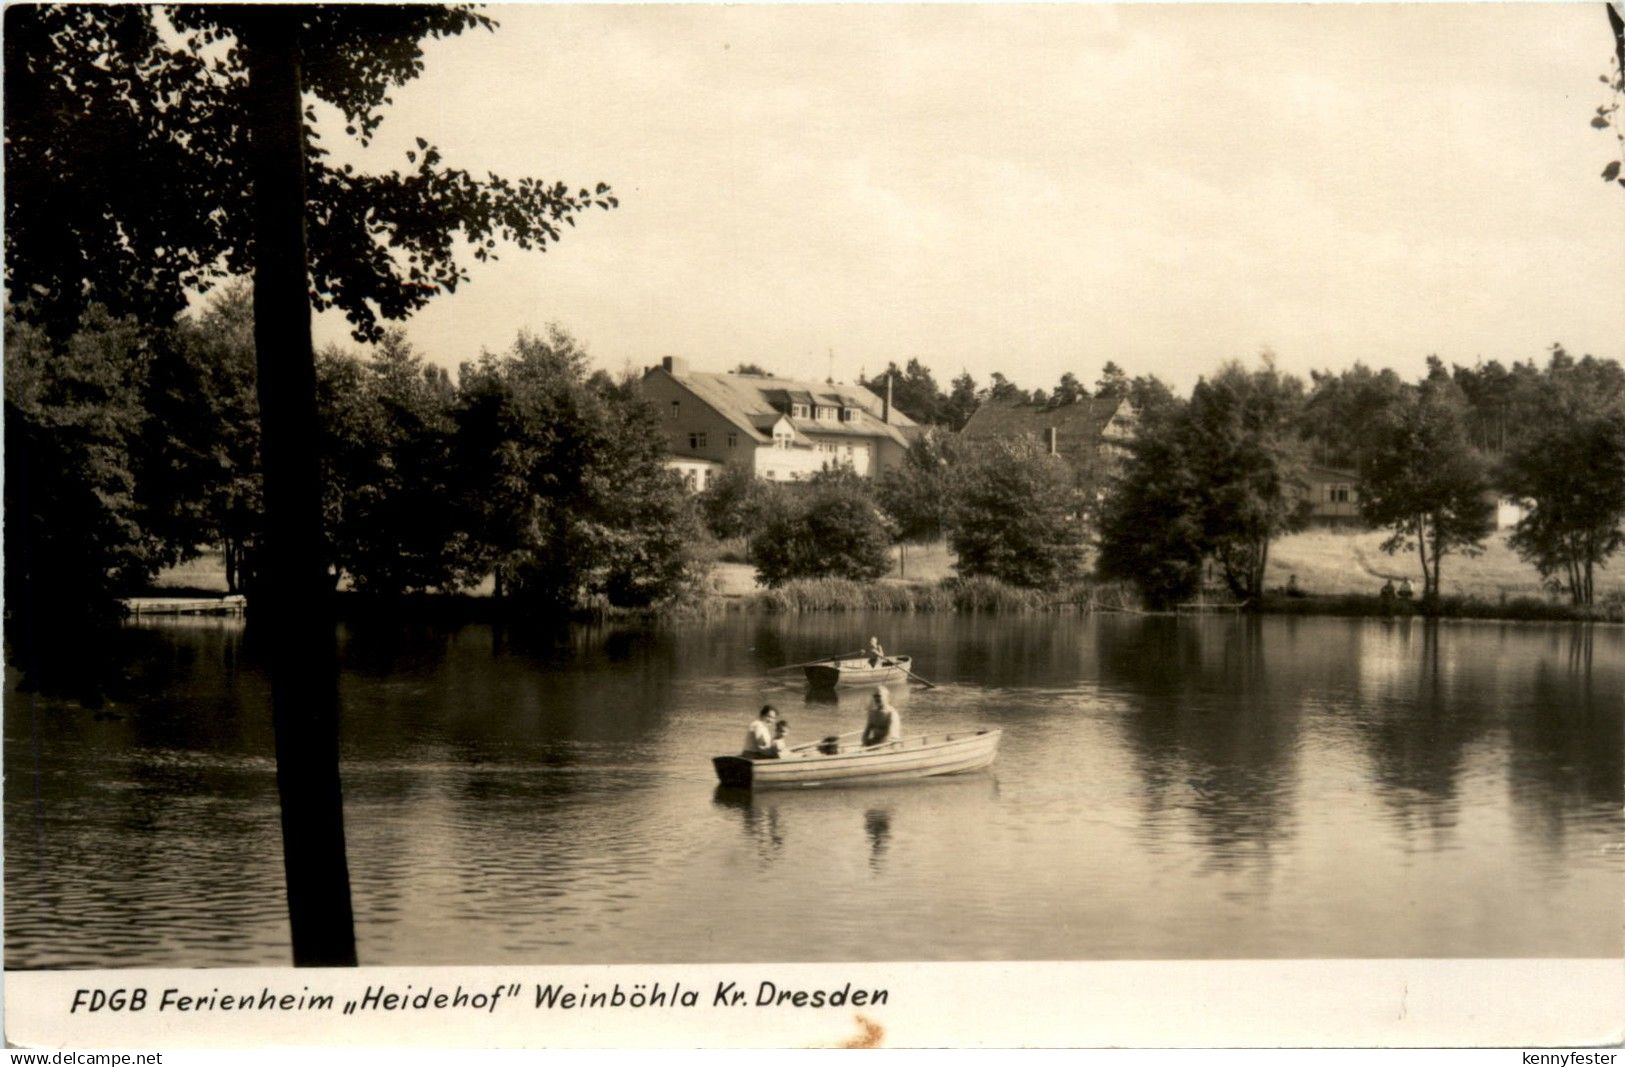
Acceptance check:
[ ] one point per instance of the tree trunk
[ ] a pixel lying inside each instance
(294, 605)
(1422, 552)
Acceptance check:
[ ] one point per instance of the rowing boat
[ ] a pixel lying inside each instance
(835, 764)
(858, 671)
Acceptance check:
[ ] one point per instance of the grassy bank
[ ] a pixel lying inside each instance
(948, 594)
(1340, 571)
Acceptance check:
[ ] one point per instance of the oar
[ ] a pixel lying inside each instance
(911, 674)
(815, 662)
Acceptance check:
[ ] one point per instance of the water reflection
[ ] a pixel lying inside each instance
(1213, 731)
(1166, 787)
(877, 825)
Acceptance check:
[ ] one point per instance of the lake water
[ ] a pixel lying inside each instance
(1166, 788)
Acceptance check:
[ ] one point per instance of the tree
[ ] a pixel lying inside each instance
(130, 184)
(1068, 391)
(831, 530)
(1573, 473)
(1113, 381)
(754, 369)
(568, 498)
(1002, 388)
(1150, 529)
(1015, 515)
(1343, 409)
(736, 503)
(73, 536)
(1567, 460)
(915, 494)
(1218, 477)
(1247, 459)
(220, 436)
(962, 402)
(391, 515)
(1422, 479)
(914, 392)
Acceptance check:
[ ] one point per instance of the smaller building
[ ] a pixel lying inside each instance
(1091, 433)
(1334, 495)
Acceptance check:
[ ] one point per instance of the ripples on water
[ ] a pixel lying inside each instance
(1208, 788)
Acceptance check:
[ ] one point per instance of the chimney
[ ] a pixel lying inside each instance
(885, 407)
(675, 365)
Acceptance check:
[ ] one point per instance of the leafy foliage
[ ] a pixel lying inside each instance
(1568, 462)
(916, 494)
(737, 503)
(391, 516)
(1423, 480)
(832, 529)
(567, 494)
(1150, 531)
(1219, 476)
(127, 184)
(1248, 461)
(1016, 515)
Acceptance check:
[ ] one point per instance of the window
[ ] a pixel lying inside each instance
(772, 474)
(846, 414)
(733, 440)
(696, 440)
(674, 404)
(1340, 494)
(848, 451)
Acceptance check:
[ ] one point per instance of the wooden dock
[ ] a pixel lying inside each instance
(138, 606)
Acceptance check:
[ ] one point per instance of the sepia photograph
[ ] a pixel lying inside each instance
(579, 498)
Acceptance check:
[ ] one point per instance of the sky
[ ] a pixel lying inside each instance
(1034, 190)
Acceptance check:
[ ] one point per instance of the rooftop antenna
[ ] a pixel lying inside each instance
(831, 379)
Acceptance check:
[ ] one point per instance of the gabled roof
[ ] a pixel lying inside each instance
(755, 402)
(1086, 418)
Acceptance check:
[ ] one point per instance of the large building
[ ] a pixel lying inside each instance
(780, 429)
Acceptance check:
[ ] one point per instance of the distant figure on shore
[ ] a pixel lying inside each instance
(759, 738)
(1387, 590)
(1405, 590)
(876, 653)
(1292, 586)
(884, 723)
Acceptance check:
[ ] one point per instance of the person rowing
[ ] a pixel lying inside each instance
(876, 654)
(884, 723)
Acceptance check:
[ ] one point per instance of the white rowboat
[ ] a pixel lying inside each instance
(896, 761)
(858, 671)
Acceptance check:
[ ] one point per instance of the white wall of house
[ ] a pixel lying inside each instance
(697, 474)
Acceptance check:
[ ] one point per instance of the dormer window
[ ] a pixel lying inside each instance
(847, 414)
(798, 411)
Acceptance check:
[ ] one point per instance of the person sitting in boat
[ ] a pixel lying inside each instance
(876, 653)
(759, 738)
(884, 724)
(781, 738)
